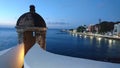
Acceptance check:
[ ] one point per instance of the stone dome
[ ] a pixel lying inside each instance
(31, 19)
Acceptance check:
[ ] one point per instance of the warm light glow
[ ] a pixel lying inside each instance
(18, 56)
(99, 39)
(91, 39)
(21, 55)
(110, 42)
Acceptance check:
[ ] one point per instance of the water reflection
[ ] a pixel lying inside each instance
(74, 35)
(110, 43)
(105, 40)
(85, 36)
(114, 42)
(99, 39)
(80, 35)
(83, 46)
(91, 37)
(91, 40)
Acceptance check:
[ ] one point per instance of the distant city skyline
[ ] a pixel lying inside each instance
(61, 13)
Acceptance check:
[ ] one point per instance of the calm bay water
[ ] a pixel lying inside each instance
(8, 38)
(66, 44)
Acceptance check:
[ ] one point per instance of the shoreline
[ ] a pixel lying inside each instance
(96, 35)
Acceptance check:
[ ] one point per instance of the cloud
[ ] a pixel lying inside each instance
(57, 23)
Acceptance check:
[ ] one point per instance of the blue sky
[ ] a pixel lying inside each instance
(62, 13)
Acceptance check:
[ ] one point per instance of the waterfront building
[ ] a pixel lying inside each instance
(96, 28)
(74, 31)
(116, 30)
(91, 28)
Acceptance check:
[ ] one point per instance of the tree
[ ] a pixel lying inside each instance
(81, 29)
(106, 26)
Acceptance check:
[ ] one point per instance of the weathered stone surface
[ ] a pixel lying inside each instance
(31, 28)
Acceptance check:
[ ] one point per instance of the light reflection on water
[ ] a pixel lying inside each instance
(83, 46)
(89, 47)
(8, 38)
(99, 40)
(85, 36)
(110, 42)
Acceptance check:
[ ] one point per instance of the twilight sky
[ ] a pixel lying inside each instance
(61, 13)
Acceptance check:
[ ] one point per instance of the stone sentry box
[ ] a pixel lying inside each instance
(31, 29)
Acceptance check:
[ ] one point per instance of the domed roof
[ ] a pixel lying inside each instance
(31, 19)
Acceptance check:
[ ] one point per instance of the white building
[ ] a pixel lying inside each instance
(74, 30)
(116, 30)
